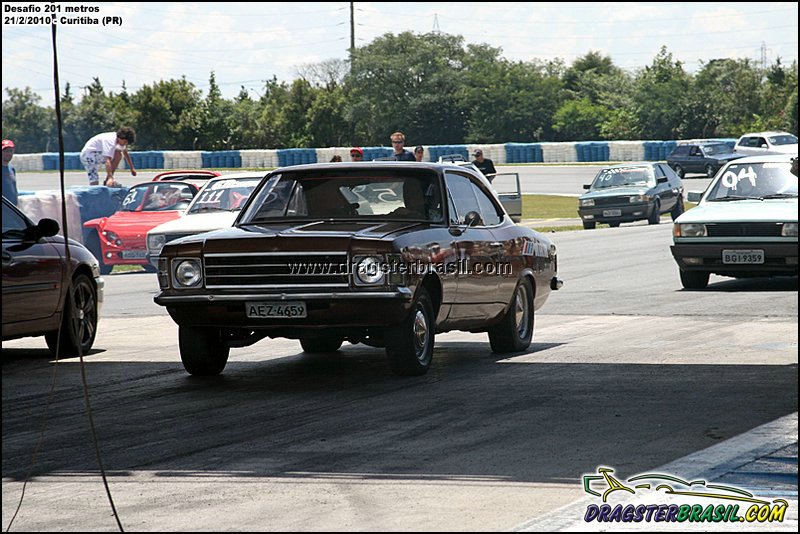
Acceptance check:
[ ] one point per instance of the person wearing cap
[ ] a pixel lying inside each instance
(107, 150)
(356, 154)
(419, 153)
(485, 165)
(400, 153)
(9, 174)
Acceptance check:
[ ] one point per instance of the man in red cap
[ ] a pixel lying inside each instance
(9, 174)
(356, 154)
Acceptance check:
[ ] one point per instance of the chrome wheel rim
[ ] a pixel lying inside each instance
(521, 311)
(85, 317)
(420, 334)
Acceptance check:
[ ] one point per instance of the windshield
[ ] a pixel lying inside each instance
(362, 194)
(158, 196)
(754, 180)
(784, 139)
(716, 149)
(224, 195)
(623, 177)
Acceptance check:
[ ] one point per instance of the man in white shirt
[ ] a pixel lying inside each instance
(106, 150)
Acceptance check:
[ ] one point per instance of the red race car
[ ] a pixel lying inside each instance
(198, 177)
(121, 238)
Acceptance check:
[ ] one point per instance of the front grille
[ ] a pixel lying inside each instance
(612, 201)
(276, 270)
(744, 229)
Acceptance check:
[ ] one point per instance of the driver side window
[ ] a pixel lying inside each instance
(14, 226)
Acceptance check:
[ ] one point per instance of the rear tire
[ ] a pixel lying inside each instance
(79, 320)
(515, 331)
(203, 352)
(710, 172)
(680, 172)
(314, 345)
(409, 345)
(694, 279)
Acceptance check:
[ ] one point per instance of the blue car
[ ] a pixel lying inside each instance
(700, 158)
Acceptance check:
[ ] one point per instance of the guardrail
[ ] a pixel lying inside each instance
(501, 154)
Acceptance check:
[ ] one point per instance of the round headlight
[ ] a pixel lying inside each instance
(692, 230)
(789, 230)
(188, 273)
(156, 242)
(369, 272)
(587, 203)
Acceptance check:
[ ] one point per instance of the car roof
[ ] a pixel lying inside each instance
(633, 164)
(369, 164)
(771, 158)
(239, 175)
(766, 134)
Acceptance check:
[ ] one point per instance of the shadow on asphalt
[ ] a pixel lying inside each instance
(347, 416)
(761, 284)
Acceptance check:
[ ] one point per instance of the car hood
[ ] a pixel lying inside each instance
(197, 223)
(725, 157)
(615, 192)
(132, 223)
(306, 229)
(774, 210)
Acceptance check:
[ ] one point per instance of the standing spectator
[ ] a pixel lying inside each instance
(400, 153)
(9, 174)
(356, 154)
(419, 153)
(106, 150)
(485, 165)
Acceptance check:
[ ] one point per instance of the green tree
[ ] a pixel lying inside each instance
(579, 120)
(165, 115)
(29, 125)
(659, 97)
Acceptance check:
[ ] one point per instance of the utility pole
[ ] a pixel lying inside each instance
(436, 29)
(763, 56)
(352, 36)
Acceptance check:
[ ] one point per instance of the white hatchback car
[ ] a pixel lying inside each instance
(744, 226)
(763, 143)
(215, 206)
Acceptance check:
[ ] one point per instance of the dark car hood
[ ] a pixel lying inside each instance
(725, 157)
(333, 229)
(615, 192)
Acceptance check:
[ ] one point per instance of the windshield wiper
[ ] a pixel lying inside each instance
(731, 198)
(779, 195)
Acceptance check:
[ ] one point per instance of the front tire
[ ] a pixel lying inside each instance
(694, 279)
(678, 210)
(409, 345)
(655, 216)
(79, 320)
(515, 331)
(203, 352)
(589, 225)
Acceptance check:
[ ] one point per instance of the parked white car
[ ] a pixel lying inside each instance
(763, 143)
(744, 226)
(215, 206)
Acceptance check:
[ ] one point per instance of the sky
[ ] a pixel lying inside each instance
(247, 43)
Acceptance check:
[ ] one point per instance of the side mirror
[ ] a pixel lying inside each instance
(473, 218)
(586, 186)
(662, 180)
(45, 228)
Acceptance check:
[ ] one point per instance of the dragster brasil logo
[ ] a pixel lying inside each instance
(744, 506)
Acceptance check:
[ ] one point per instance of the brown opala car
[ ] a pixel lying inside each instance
(382, 253)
